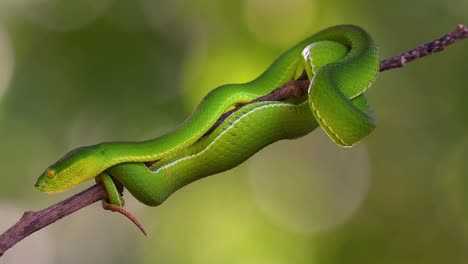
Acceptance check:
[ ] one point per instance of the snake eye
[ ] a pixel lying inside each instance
(51, 173)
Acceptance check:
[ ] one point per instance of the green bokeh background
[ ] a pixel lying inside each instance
(81, 72)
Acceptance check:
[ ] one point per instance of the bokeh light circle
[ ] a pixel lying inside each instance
(6, 61)
(89, 128)
(215, 220)
(309, 184)
(162, 14)
(210, 66)
(60, 15)
(279, 22)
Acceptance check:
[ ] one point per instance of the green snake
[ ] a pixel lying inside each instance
(341, 62)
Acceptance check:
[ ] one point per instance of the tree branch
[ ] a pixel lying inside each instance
(31, 222)
(460, 32)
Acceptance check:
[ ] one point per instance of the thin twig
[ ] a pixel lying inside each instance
(460, 32)
(31, 222)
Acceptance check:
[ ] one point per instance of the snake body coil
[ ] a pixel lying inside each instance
(340, 61)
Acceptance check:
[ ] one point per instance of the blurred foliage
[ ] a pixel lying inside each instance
(80, 72)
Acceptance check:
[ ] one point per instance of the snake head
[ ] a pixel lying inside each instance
(77, 166)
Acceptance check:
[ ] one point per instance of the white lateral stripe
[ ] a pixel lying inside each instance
(219, 136)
